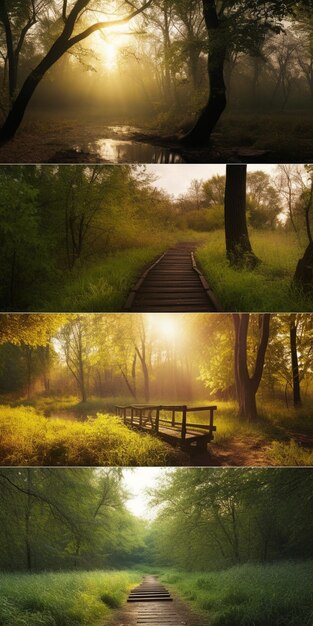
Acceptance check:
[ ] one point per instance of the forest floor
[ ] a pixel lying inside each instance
(77, 138)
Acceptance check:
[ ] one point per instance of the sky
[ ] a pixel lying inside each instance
(136, 481)
(176, 178)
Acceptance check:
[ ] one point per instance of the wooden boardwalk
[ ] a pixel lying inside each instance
(170, 423)
(172, 284)
(151, 603)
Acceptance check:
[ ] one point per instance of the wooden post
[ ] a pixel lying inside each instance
(211, 421)
(125, 414)
(173, 418)
(131, 415)
(184, 420)
(157, 419)
(140, 417)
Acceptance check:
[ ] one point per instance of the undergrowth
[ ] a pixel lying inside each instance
(250, 594)
(62, 599)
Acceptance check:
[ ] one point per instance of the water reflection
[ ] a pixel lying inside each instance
(126, 151)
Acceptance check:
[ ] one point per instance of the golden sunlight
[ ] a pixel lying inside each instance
(109, 42)
(165, 325)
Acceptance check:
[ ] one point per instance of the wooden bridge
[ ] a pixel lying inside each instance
(173, 284)
(170, 423)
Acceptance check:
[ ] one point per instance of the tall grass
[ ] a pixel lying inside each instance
(62, 599)
(101, 286)
(250, 595)
(266, 288)
(28, 438)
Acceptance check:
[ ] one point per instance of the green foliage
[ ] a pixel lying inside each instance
(202, 219)
(268, 286)
(211, 519)
(62, 599)
(28, 438)
(254, 595)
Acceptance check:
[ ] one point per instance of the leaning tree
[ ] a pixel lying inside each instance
(79, 20)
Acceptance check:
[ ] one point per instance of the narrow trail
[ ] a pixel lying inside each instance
(173, 284)
(151, 604)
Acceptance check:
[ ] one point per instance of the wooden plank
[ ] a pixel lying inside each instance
(171, 285)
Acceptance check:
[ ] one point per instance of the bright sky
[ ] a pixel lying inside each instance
(136, 481)
(176, 178)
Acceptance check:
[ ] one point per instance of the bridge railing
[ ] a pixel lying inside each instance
(142, 414)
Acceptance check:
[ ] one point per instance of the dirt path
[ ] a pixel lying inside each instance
(173, 284)
(240, 451)
(151, 604)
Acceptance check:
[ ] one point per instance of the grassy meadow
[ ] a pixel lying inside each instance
(268, 287)
(56, 431)
(103, 285)
(63, 599)
(249, 594)
(29, 438)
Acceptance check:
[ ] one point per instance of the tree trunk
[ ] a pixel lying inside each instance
(19, 106)
(295, 363)
(216, 104)
(238, 247)
(10, 49)
(247, 401)
(246, 385)
(303, 277)
(29, 564)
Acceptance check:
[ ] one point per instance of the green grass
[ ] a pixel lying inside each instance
(103, 286)
(28, 438)
(268, 287)
(290, 454)
(250, 595)
(62, 599)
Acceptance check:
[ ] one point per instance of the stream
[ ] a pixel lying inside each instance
(119, 147)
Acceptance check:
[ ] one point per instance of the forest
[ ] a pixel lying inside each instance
(78, 237)
(84, 80)
(63, 375)
(71, 547)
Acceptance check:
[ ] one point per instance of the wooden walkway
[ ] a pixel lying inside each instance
(151, 603)
(170, 423)
(173, 284)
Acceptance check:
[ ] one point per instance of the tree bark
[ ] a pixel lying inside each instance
(295, 363)
(200, 134)
(29, 563)
(4, 17)
(303, 276)
(246, 385)
(238, 247)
